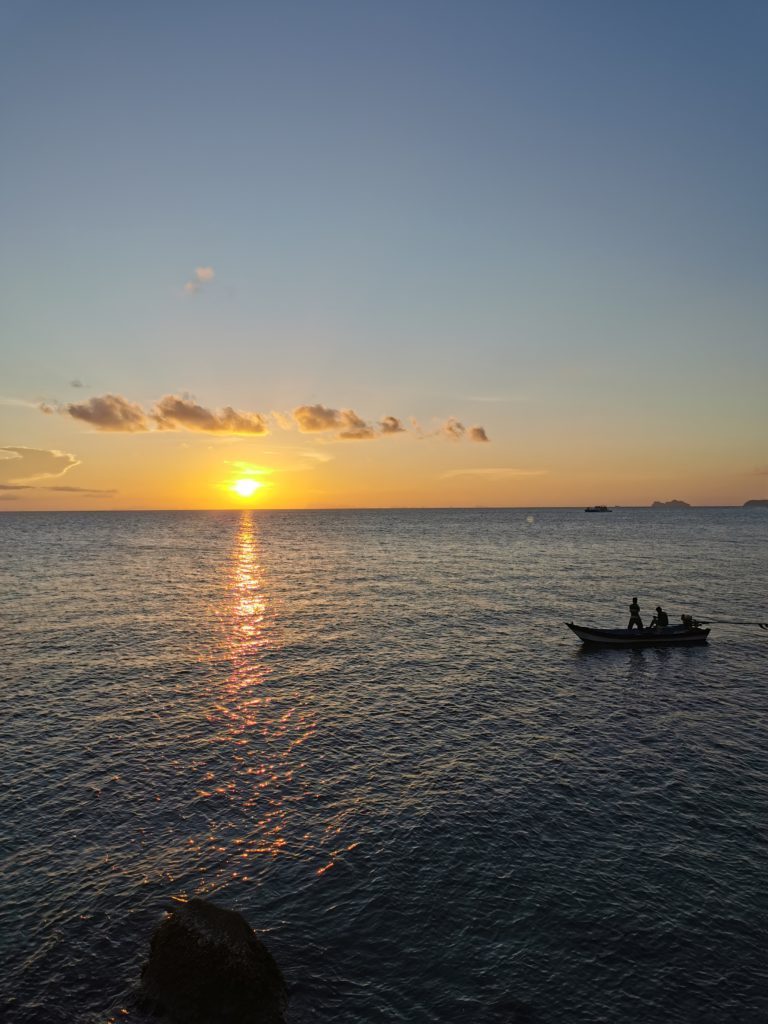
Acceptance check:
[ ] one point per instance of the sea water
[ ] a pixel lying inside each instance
(371, 733)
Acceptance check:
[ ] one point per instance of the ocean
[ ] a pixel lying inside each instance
(371, 733)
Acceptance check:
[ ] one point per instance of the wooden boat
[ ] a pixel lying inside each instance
(598, 508)
(652, 637)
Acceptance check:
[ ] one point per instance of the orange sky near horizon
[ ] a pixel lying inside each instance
(168, 470)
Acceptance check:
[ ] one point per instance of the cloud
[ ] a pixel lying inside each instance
(107, 412)
(76, 383)
(344, 423)
(201, 276)
(80, 490)
(354, 428)
(391, 425)
(19, 465)
(312, 419)
(91, 491)
(347, 425)
(452, 429)
(181, 412)
(175, 412)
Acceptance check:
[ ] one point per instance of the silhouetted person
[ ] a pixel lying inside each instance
(660, 619)
(634, 615)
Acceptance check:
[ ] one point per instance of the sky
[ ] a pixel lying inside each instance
(357, 254)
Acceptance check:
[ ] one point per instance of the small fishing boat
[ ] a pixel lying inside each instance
(652, 637)
(598, 508)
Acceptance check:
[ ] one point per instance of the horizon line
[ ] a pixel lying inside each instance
(374, 508)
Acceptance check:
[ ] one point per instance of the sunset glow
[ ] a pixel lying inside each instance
(246, 487)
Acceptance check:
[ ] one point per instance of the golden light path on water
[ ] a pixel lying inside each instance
(256, 777)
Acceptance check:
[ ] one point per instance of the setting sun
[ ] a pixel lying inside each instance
(245, 487)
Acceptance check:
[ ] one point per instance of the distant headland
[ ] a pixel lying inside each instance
(675, 503)
(756, 503)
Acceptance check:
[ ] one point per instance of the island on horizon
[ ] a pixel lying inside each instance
(756, 503)
(675, 503)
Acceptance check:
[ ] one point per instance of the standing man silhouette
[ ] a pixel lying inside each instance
(634, 615)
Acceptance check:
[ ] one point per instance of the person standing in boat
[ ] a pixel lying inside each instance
(634, 615)
(660, 619)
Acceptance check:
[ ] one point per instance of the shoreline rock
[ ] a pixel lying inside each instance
(206, 966)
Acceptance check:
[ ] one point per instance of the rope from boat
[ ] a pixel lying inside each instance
(731, 622)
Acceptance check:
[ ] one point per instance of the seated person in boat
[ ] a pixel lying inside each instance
(634, 615)
(689, 622)
(660, 619)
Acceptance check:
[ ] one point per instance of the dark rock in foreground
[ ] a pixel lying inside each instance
(206, 966)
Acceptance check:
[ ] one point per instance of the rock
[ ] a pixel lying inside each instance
(206, 966)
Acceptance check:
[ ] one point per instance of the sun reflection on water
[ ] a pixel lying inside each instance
(260, 728)
(256, 796)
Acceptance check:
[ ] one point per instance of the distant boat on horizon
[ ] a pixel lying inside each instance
(598, 508)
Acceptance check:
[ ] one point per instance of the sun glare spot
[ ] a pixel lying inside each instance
(245, 487)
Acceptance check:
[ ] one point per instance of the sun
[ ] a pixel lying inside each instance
(245, 487)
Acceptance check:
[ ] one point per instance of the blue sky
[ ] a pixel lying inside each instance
(511, 213)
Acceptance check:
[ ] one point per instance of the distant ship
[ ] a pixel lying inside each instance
(598, 508)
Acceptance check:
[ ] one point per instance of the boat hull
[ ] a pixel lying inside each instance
(669, 635)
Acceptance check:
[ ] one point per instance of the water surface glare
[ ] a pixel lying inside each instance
(371, 733)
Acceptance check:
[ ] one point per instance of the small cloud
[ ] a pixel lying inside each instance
(19, 465)
(175, 412)
(94, 491)
(314, 419)
(354, 428)
(201, 276)
(107, 412)
(391, 425)
(477, 434)
(761, 471)
(91, 491)
(452, 429)
(76, 383)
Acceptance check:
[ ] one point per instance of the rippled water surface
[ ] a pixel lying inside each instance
(371, 733)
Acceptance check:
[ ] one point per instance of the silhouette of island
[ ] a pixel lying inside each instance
(756, 503)
(675, 503)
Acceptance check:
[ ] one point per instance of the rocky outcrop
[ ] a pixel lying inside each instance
(206, 966)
